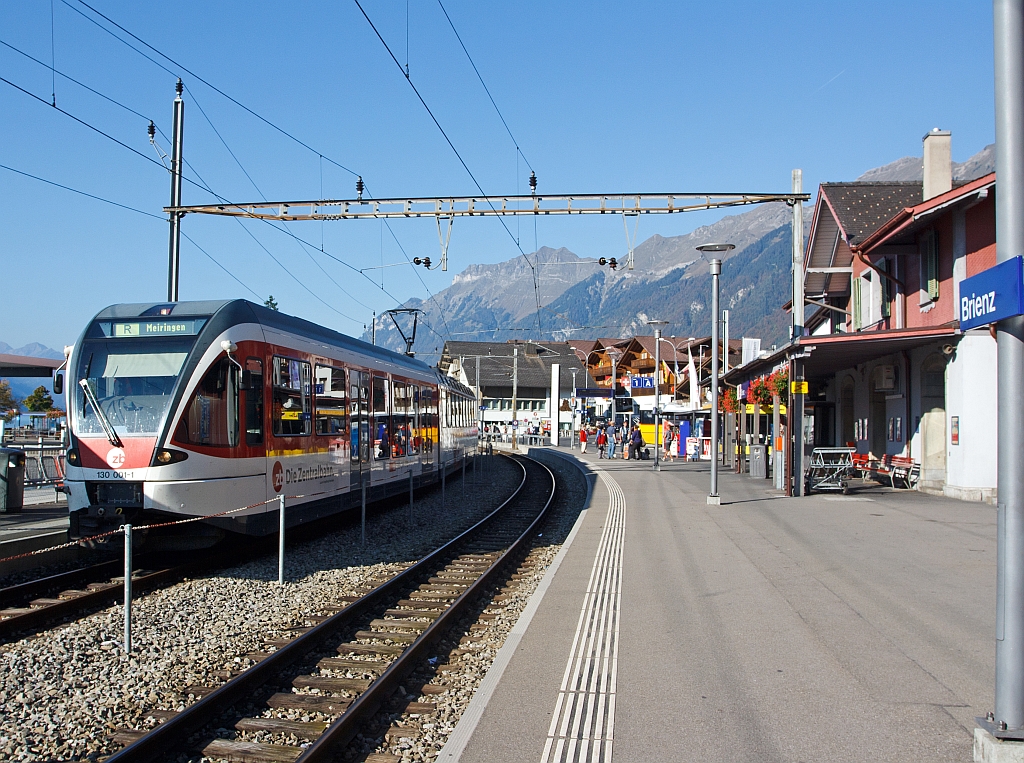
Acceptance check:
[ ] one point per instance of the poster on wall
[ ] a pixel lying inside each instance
(954, 430)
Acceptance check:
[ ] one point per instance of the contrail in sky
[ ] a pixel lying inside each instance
(831, 81)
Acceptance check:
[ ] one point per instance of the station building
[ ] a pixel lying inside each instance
(889, 371)
(497, 369)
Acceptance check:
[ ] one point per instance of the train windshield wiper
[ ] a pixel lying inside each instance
(108, 428)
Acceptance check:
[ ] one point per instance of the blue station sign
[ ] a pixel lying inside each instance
(641, 382)
(992, 295)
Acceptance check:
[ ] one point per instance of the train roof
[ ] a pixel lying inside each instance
(234, 311)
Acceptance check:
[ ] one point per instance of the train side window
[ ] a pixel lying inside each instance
(330, 401)
(401, 409)
(428, 420)
(381, 419)
(414, 425)
(291, 397)
(252, 383)
(212, 415)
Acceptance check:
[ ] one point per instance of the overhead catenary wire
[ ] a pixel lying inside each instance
(131, 209)
(484, 84)
(462, 161)
(321, 156)
(195, 76)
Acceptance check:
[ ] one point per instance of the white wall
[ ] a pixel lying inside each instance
(971, 395)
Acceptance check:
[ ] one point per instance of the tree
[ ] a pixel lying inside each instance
(270, 302)
(9, 405)
(39, 400)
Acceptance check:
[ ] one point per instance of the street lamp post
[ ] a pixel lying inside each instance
(613, 355)
(572, 422)
(716, 271)
(657, 388)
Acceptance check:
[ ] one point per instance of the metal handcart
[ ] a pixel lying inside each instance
(830, 469)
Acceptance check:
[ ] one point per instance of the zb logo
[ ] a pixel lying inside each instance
(278, 475)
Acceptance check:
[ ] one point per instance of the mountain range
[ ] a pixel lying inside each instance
(670, 281)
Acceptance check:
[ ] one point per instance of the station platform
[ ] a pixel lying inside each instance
(43, 522)
(825, 628)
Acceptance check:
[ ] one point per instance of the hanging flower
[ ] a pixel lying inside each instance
(778, 383)
(728, 402)
(759, 392)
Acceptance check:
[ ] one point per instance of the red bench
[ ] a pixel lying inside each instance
(897, 469)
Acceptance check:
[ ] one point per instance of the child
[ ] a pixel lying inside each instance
(602, 442)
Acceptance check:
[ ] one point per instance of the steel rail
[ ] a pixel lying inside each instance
(174, 732)
(342, 730)
(41, 615)
(70, 578)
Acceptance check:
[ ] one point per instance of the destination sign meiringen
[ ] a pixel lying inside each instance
(154, 328)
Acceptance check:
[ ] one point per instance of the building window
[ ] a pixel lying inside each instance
(886, 290)
(928, 246)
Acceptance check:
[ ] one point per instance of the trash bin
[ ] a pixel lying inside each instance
(759, 461)
(12, 480)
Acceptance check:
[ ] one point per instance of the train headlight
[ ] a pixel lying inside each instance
(165, 456)
(73, 458)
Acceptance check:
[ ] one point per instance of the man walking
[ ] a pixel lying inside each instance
(611, 431)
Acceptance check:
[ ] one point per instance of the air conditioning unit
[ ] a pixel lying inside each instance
(886, 378)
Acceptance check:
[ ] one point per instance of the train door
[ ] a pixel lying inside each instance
(359, 427)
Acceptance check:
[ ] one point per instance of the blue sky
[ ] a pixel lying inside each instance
(601, 97)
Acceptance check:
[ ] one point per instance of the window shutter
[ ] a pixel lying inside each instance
(856, 303)
(933, 265)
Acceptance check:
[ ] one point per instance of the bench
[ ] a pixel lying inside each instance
(895, 468)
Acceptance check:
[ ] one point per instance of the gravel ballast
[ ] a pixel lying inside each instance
(63, 692)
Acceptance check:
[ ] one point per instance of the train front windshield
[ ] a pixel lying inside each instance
(131, 377)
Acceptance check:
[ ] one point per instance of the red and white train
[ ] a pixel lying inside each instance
(189, 409)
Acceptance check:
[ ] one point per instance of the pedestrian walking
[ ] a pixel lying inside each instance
(602, 442)
(612, 432)
(667, 437)
(583, 439)
(636, 442)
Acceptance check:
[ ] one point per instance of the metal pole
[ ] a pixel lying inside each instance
(362, 517)
(479, 411)
(798, 257)
(725, 344)
(128, 587)
(463, 475)
(796, 416)
(280, 540)
(556, 381)
(716, 270)
(410, 492)
(1008, 16)
(515, 393)
(442, 483)
(657, 398)
(572, 421)
(174, 247)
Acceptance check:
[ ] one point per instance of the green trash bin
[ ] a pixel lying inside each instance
(12, 480)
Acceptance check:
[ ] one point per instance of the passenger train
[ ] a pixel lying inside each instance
(189, 409)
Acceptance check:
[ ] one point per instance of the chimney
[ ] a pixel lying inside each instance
(938, 169)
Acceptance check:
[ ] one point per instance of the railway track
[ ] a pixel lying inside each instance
(312, 694)
(29, 606)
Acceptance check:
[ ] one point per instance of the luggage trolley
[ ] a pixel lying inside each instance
(830, 469)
